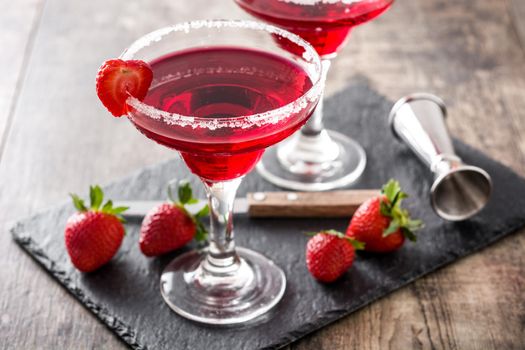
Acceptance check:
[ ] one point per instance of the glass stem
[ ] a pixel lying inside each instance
(222, 256)
(314, 126)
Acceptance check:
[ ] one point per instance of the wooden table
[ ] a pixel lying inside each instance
(56, 138)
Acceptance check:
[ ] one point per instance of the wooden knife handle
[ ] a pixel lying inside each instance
(335, 204)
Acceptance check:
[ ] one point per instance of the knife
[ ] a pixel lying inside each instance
(335, 204)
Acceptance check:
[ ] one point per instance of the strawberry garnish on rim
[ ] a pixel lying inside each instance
(118, 79)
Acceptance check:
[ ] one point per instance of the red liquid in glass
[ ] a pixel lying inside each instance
(325, 25)
(223, 82)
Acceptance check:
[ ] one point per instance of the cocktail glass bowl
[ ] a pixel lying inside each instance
(224, 284)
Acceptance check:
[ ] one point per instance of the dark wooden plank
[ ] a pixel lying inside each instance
(517, 11)
(18, 25)
(62, 140)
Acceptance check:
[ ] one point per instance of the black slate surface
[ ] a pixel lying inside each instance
(125, 293)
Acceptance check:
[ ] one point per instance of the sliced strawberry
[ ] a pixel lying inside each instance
(118, 79)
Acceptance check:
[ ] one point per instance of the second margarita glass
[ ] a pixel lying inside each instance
(315, 159)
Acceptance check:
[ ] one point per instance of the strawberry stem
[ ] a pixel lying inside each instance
(185, 196)
(185, 192)
(391, 207)
(358, 245)
(96, 197)
(78, 203)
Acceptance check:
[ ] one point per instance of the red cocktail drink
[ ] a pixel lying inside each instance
(324, 24)
(223, 82)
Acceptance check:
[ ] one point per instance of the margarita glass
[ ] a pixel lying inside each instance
(222, 92)
(315, 159)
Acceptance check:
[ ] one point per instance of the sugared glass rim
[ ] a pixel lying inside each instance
(269, 117)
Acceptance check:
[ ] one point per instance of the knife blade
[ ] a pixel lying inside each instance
(335, 204)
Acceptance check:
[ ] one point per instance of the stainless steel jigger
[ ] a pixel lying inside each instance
(459, 190)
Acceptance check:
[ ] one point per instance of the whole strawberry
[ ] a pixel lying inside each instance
(170, 226)
(329, 254)
(381, 223)
(93, 235)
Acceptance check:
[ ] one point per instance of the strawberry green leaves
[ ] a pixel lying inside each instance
(78, 203)
(96, 197)
(185, 197)
(201, 234)
(185, 193)
(205, 211)
(391, 207)
(354, 242)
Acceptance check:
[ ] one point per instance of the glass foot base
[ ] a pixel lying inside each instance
(284, 165)
(194, 290)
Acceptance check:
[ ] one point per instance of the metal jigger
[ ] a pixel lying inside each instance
(459, 190)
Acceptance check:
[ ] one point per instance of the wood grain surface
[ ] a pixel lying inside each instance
(19, 22)
(57, 139)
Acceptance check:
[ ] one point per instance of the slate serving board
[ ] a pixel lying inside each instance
(125, 294)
